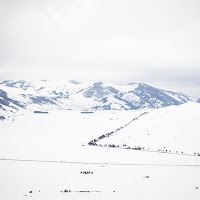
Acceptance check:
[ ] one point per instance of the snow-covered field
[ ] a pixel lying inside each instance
(113, 173)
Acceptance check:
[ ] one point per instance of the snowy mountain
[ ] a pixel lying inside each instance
(73, 95)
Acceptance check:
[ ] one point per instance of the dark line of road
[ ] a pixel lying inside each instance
(98, 163)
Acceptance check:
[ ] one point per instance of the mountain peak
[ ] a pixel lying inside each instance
(73, 95)
(74, 82)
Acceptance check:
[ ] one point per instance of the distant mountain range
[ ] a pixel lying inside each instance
(73, 95)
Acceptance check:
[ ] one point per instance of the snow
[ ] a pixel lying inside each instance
(52, 95)
(64, 136)
(174, 129)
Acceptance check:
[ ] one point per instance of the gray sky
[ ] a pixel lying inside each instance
(151, 41)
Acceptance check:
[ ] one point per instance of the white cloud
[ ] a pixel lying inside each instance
(142, 40)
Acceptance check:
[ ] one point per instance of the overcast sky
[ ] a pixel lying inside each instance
(120, 41)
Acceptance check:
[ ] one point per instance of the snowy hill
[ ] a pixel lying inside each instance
(172, 130)
(8, 106)
(73, 95)
(44, 156)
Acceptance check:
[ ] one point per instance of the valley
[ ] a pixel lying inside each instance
(43, 155)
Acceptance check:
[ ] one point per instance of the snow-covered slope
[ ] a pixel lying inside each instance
(9, 106)
(73, 95)
(173, 130)
(62, 136)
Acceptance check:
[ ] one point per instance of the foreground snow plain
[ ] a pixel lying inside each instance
(121, 173)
